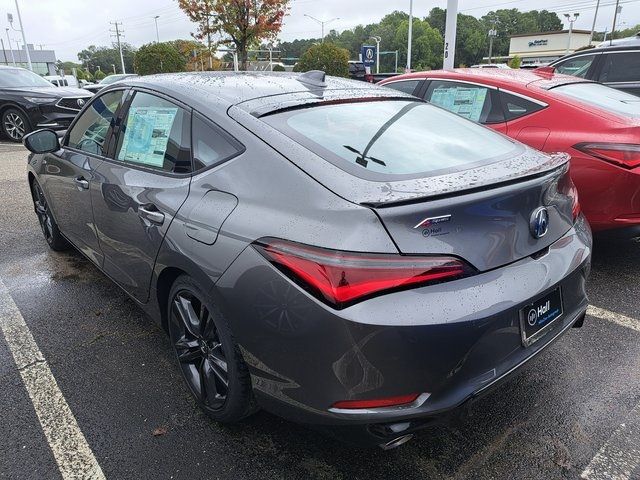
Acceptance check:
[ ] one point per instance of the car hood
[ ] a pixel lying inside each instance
(50, 92)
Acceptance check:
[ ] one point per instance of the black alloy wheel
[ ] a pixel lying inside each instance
(48, 224)
(208, 357)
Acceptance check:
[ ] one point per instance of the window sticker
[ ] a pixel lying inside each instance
(147, 134)
(466, 102)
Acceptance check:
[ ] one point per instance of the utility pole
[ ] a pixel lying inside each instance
(118, 34)
(13, 57)
(450, 34)
(593, 26)
(322, 23)
(493, 33)
(377, 40)
(571, 21)
(615, 19)
(24, 39)
(157, 33)
(4, 52)
(408, 69)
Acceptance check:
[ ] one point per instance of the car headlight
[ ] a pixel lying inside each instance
(40, 99)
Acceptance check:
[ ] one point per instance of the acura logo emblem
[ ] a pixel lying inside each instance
(80, 102)
(539, 223)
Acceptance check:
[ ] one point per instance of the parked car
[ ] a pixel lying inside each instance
(108, 80)
(356, 70)
(491, 65)
(29, 102)
(634, 40)
(340, 254)
(617, 66)
(597, 125)
(60, 81)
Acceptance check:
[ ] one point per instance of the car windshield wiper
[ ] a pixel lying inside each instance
(364, 159)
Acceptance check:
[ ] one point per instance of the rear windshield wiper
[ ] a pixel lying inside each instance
(364, 159)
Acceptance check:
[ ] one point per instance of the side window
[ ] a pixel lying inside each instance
(578, 66)
(473, 102)
(406, 86)
(621, 67)
(155, 134)
(90, 131)
(516, 107)
(210, 145)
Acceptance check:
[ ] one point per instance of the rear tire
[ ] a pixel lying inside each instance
(207, 354)
(50, 230)
(15, 124)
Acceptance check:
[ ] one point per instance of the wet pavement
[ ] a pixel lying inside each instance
(116, 372)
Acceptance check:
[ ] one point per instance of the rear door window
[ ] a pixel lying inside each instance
(473, 102)
(577, 66)
(155, 134)
(621, 67)
(393, 138)
(211, 146)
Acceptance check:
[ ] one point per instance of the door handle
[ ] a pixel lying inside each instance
(81, 182)
(151, 213)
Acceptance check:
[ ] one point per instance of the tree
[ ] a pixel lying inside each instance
(515, 62)
(106, 58)
(471, 38)
(159, 57)
(99, 75)
(326, 56)
(244, 22)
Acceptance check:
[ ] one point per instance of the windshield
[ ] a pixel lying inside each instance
(602, 96)
(393, 137)
(18, 77)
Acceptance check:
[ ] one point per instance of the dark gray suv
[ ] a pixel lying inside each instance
(341, 254)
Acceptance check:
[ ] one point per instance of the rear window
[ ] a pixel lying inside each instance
(398, 138)
(604, 97)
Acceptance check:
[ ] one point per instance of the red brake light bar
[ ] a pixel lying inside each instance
(376, 403)
(342, 278)
(625, 155)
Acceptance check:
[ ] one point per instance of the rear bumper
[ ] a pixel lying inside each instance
(452, 341)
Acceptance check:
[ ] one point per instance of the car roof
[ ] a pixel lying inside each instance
(234, 88)
(598, 50)
(514, 77)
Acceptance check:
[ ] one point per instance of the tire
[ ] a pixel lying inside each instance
(207, 354)
(50, 230)
(15, 124)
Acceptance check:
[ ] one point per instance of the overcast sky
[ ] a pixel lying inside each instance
(68, 26)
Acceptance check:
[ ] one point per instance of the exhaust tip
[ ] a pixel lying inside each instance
(396, 442)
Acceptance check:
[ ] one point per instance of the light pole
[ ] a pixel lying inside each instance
(322, 22)
(450, 34)
(24, 38)
(377, 40)
(615, 19)
(595, 17)
(493, 33)
(13, 57)
(408, 69)
(571, 21)
(157, 34)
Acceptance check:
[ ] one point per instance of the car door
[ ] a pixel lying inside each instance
(473, 101)
(141, 186)
(67, 175)
(621, 70)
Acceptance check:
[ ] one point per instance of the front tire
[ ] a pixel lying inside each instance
(50, 230)
(207, 354)
(15, 124)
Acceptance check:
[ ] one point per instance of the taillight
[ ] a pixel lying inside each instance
(625, 155)
(342, 278)
(568, 188)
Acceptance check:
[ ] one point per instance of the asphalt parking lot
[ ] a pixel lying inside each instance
(572, 412)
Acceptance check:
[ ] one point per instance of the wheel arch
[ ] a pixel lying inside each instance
(15, 106)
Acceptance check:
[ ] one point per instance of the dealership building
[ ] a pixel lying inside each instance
(544, 48)
(43, 61)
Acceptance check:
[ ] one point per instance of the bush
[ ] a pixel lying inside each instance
(279, 68)
(515, 62)
(158, 58)
(99, 75)
(327, 57)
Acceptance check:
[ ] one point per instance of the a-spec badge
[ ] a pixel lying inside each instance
(432, 221)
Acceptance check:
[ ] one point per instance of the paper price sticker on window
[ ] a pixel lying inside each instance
(466, 102)
(146, 135)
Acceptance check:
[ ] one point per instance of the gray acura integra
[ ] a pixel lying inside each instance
(341, 254)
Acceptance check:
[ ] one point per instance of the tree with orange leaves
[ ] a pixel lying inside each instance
(242, 23)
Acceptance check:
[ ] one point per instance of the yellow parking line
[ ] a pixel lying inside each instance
(628, 322)
(70, 449)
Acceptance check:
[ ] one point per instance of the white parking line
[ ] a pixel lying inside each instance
(628, 322)
(70, 449)
(620, 455)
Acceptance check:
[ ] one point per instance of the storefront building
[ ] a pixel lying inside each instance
(543, 48)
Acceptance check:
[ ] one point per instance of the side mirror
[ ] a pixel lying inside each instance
(42, 141)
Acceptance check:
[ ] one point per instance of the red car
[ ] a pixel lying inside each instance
(597, 125)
